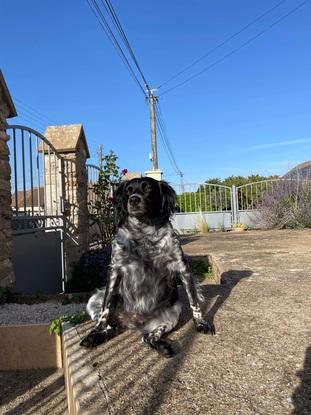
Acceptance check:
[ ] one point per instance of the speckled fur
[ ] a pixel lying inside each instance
(147, 262)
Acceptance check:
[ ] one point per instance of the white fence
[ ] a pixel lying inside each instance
(220, 207)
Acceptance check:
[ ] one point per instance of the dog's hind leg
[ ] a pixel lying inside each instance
(163, 322)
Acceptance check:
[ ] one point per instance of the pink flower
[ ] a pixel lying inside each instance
(124, 172)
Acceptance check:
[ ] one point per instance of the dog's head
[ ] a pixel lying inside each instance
(146, 199)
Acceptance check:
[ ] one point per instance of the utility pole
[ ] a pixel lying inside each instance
(100, 156)
(154, 150)
(182, 185)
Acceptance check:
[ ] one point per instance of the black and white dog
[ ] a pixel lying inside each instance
(147, 263)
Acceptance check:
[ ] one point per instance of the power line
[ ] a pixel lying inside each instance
(163, 127)
(35, 124)
(28, 114)
(32, 110)
(164, 137)
(165, 147)
(236, 49)
(109, 33)
(105, 26)
(114, 17)
(227, 40)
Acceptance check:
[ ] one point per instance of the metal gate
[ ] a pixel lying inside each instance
(209, 205)
(249, 198)
(38, 222)
(221, 207)
(94, 231)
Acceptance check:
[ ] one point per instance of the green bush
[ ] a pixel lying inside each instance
(56, 324)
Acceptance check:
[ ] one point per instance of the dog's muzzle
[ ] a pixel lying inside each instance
(135, 200)
(136, 204)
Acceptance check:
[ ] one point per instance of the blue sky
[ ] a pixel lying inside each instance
(249, 114)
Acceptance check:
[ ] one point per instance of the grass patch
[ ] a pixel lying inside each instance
(201, 270)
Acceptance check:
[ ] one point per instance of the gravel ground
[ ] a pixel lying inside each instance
(259, 363)
(16, 314)
(32, 392)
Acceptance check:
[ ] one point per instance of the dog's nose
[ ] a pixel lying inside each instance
(134, 200)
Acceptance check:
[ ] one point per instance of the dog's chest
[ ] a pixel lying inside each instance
(144, 243)
(144, 263)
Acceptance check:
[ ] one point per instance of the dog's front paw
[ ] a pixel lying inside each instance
(161, 346)
(96, 337)
(205, 327)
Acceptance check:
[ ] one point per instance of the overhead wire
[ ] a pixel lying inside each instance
(31, 119)
(224, 42)
(115, 20)
(109, 33)
(164, 137)
(161, 134)
(236, 49)
(39, 127)
(118, 27)
(163, 126)
(25, 113)
(33, 111)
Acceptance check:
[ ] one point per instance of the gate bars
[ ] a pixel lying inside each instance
(217, 198)
(37, 181)
(37, 185)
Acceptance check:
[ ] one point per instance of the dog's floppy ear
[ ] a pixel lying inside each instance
(118, 201)
(168, 199)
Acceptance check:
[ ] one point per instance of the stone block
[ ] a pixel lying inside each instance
(5, 250)
(6, 273)
(5, 185)
(4, 149)
(5, 170)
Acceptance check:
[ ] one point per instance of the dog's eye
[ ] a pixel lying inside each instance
(146, 187)
(129, 190)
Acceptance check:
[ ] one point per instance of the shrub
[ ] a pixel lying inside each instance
(56, 324)
(101, 209)
(287, 206)
(202, 224)
(240, 226)
(91, 271)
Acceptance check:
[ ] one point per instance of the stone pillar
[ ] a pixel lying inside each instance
(70, 143)
(7, 110)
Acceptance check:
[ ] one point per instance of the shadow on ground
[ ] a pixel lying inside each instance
(189, 238)
(228, 280)
(38, 391)
(136, 380)
(302, 395)
(169, 372)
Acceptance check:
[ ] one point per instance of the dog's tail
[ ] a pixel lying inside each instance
(95, 304)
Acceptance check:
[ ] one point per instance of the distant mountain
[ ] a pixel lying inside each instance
(303, 170)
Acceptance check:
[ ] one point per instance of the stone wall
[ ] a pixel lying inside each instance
(6, 268)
